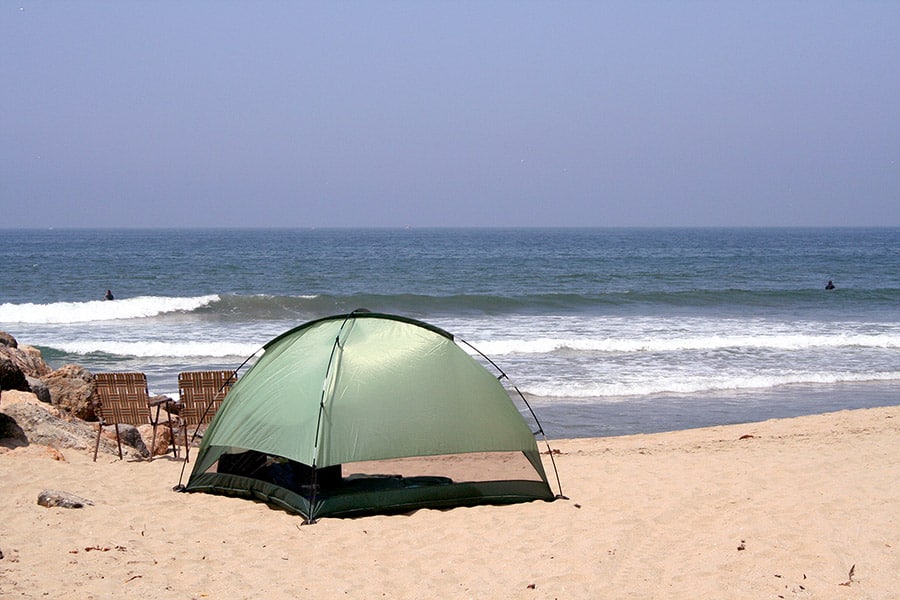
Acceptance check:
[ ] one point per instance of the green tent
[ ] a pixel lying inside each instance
(369, 413)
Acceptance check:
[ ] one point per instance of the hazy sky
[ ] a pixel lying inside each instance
(453, 113)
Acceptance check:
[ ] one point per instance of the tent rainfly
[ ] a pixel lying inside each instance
(370, 413)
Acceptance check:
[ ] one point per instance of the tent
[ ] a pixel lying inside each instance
(370, 413)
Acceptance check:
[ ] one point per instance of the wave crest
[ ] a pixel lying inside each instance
(159, 349)
(711, 343)
(100, 310)
(697, 385)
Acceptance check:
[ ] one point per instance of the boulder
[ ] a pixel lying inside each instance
(12, 377)
(172, 407)
(25, 420)
(71, 388)
(163, 438)
(39, 389)
(27, 358)
(8, 340)
(42, 424)
(11, 434)
(129, 435)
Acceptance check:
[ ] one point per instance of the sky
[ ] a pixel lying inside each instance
(486, 113)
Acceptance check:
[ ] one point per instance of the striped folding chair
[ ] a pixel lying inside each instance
(122, 398)
(201, 393)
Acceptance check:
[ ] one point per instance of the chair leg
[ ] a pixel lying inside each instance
(119, 442)
(172, 436)
(153, 442)
(187, 446)
(97, 444)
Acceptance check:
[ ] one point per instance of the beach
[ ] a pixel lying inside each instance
(790, 508)
(673, 249)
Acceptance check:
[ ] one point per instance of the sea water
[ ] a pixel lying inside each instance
(605, 331)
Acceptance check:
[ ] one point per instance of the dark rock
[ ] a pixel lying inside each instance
(8, 340)
(12, 377)
(11, 434)
(39, 389)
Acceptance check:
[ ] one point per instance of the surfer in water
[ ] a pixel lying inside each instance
(829, 285)
(108, 295)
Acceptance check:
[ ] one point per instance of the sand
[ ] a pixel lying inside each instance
(779, 509)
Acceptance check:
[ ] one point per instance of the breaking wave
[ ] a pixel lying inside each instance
(696, 385)
(100, 310)
(158, 349)
(711, 343)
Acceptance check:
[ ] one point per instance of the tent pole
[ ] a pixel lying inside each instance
(561, 496)
(327, 380)
(180, 486)
(540, 430)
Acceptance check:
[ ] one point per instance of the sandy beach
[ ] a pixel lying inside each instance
(796, 508)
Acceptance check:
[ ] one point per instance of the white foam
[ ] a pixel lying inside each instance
(694, 385)
(100, 310)
(675, 344)
(147, 349)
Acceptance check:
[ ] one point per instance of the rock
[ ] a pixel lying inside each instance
(163, 438)
(42, 424)
(169, 405)
(39, 389)
(25, 420)
(8, 340)
(129, 435)
(11, 398)
(71, 388)
(11, 434)
(53, 454)
(34, 362)
(51, 498)
(26, 358)
(12, 377)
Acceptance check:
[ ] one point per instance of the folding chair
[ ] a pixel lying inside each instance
(123, 398)
(201, 395)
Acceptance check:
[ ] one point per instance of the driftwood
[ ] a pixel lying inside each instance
(50, 498)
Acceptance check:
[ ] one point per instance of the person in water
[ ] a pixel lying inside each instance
(829, 285)
(108, 295)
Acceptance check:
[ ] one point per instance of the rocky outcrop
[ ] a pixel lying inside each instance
(56, 408)
(27, 358)
(25, 420)
(71, 388)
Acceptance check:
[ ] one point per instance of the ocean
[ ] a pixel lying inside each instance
(605, 331)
